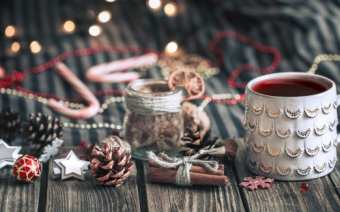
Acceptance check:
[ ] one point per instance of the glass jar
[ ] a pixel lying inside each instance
(153, 119)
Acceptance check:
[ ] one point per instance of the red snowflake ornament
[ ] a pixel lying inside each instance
(27, 169)
(253, 184)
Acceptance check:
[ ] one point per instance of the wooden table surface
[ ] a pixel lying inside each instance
(139, 194)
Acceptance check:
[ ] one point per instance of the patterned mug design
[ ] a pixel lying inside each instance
(291, 138)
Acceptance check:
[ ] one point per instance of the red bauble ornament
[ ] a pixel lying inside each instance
(304, 187)
(27, 169)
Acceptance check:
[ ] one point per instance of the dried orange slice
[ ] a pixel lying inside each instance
(190, 81)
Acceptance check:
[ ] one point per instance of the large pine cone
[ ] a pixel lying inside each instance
(41, 130)
(9, 125)
(193, 142)
(109, 166)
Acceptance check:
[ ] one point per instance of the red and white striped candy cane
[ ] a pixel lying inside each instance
(102, 72)
(82, 89)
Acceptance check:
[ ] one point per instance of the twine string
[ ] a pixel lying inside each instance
(154, 104)
(185, 163)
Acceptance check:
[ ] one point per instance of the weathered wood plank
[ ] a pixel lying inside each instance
(164, 197)
(287, 196)
(335, 175)
(75, 195)
(17, 196)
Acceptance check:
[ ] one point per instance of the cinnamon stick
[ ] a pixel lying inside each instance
(197, 169)
(161, 175)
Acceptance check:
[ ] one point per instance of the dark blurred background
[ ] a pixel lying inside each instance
(33, 32)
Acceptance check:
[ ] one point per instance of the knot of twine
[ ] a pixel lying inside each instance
(154, 104)
(185, 163)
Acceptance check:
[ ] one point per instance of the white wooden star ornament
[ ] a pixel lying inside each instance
(8, 154)
(71, 166)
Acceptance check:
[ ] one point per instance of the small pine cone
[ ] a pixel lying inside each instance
(9, 125)
(110, 166)
(193, 142)
(41, 130)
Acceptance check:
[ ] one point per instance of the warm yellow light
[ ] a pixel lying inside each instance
(15, 47)
(170, 9)
(2, 72)
(35, 47)
(104, 16)
(95, 30)
(171, 47)
(110, 0)
(10, 31)
(154, 4)
(69, 26)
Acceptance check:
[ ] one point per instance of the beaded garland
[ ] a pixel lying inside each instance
(250, 42)
(16, 78)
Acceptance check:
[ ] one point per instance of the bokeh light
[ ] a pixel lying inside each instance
(90, 15)
(95, 30)
(170, 9)
(104, 16)
(110, 0)
(69, 26)
(15, 47)
(35, 47)
(171, 47)
(10, 31)
(2, 72)
(154, 4)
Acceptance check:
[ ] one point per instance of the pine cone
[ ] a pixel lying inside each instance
(193, 142)
(109, 166)
(9, 125)
(41, 130)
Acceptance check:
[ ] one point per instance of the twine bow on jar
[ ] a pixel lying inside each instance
(185, 163)
(151, 103)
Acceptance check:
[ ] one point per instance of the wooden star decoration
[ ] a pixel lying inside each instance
(8, 154)
(71, 166)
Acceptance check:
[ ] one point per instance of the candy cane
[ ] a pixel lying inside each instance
(101, 73)
(82, 89)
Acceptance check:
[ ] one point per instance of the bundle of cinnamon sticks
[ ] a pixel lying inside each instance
(198, 175)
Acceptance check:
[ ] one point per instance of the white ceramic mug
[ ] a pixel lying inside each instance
(291, 138)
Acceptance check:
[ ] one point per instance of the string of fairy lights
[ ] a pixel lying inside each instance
(170, 9)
